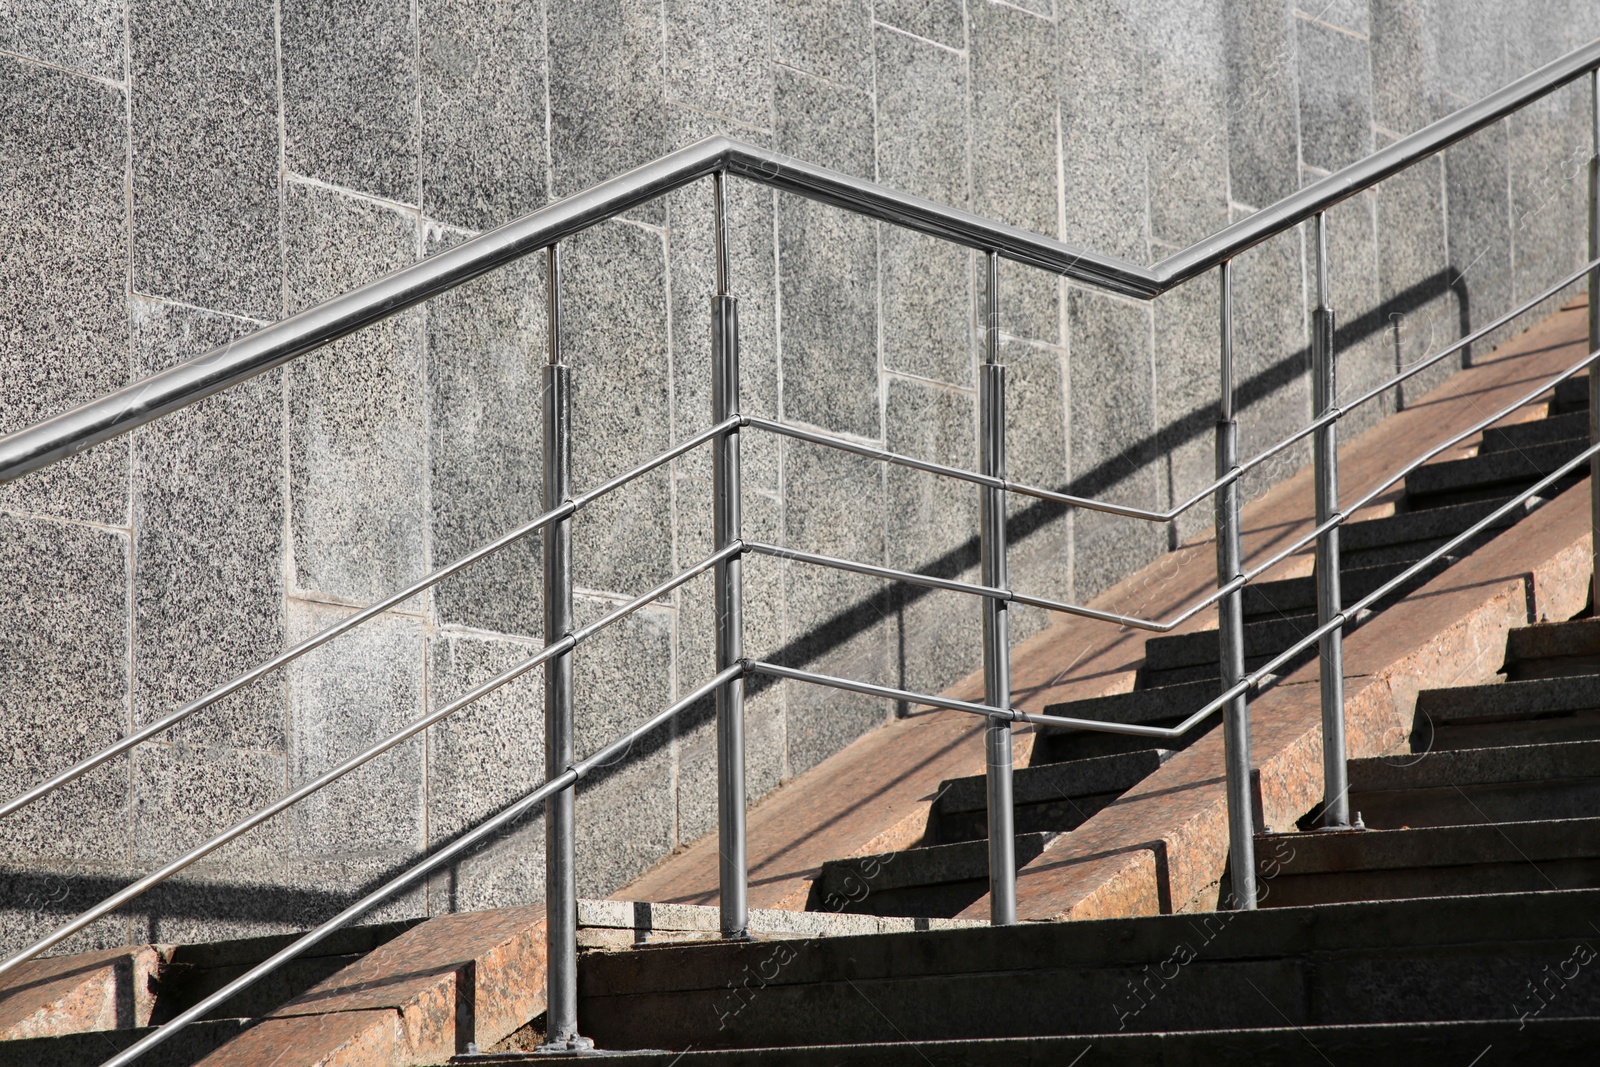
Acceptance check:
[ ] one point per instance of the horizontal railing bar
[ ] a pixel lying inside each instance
(1267, 674)
(565, 644)
(952, 704)
(168, 390)
(321, 638)
(433, 862)
(894, 575)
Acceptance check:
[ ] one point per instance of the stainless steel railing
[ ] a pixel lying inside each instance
(716, 158)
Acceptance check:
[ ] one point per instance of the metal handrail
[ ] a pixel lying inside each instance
(550, 651)
(322, 637)
(169, 390)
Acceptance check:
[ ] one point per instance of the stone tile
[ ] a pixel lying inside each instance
(927, 326)
(1188, 348)
(356, 463)
(1469, 52)
(829, 38)
(485, 158)
(1549, 157)
(1271, 355)
(625, 821)
(1414, 278)
(1014, 113)
(184, 795)
(1399, 49)
(615, 339)
(87, 35)
(823, 123)
(937, 20)
(486, 344)
(350, 95)
(1335, 96)
(208, 561)
(1479, 225)
(1352, 15)
(929, 516)
(481, 759)
(718, 55)
(63, 312)
(606, 92)
(341, 879)
(839, 623)
(1262, 135)
(1035, 399)
(1103, 148)
(205, 156)
(1364, 340)
(1186, 101)
(921, 149)
(829, 318)
(1112, 409)
(38, 900)
(827, 264)
(762, 580)
(343, 698)
(621, 676)
(697, 762)
(221, 902)
(63, 685)
(921, 118)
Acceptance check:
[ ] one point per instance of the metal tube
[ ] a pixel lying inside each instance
(199, 852)
(1230, 620)
(560, 828)
(1324, 389)
(729, 595)
(433, 862)
(997, 739)
(1594, 340)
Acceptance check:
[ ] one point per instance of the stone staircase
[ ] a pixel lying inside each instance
(1499, 793)
(1075, 773)
(1491, 816)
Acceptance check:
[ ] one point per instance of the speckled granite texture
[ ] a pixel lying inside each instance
(175, 175)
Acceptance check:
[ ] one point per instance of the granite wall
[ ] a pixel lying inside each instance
(176, 174)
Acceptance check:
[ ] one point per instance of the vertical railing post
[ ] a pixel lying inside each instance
(1230, 621)
(996, 623)
(1594, 338)
(560, 873)
(1335, 796)
(729, 594)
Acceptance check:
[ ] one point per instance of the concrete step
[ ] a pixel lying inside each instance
(1209, 671)
(144, 985)
(1538, 711)
(1461, 958)
(1430, 861)
(1291, 597)
(1553, 650)
(183, 1049)
(1570, 427)
(1571, 394)
(1262, 639)
(937, 881)
(1151, 707)
(1497, 474)
(1050, 797)
(1463, 787)
(1557, 1042)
